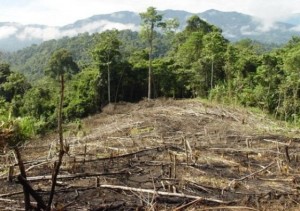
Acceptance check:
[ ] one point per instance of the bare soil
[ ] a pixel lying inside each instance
(164, 155)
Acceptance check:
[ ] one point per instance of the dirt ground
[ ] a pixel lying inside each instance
(164, 155)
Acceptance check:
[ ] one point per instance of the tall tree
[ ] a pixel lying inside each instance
(215, 47)
(105, 53)
(230, 67)
(189, 59)
(60, 65)
(150, 20)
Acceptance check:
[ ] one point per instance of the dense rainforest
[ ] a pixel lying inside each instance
(158, 61)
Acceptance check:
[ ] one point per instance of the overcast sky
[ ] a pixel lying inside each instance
(62, 12)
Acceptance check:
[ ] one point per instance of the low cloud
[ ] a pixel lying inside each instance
(7, 31)
(98, 26)
(38, 33)
(247, 30)
(266, 26)
(48, 33)
(296, 28)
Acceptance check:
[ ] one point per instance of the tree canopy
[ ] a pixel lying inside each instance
(157, 61)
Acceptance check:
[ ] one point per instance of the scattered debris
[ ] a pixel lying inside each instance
(162, 155)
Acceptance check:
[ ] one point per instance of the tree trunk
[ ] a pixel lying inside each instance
(212, 75)
(108, 81)
(59, 120)
(150, 61)
(150, 73)
(61, 143)
(23, 174)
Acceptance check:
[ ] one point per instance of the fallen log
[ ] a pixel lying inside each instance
(162, 193)
(72, 176)
(142, 152)
(11, 194)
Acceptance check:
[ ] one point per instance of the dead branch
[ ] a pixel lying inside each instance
(287, 155)
(275, 142)
(23, 175)
(230, 208)
(72, 176)
(141, 152)
(249, 175)
(183, 207)
(256, 172)
(54, 176)
(11, 194)
(36, 165)
(246, 150)
(32, 192)
(180, 195)
(198, 187)
(10, 173)
(275, 180)
(8, 200)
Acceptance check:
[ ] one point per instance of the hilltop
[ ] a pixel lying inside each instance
(164, 154)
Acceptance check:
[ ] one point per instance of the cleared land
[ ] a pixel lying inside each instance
(163, 155)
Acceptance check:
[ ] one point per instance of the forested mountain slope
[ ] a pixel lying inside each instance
(235, 26)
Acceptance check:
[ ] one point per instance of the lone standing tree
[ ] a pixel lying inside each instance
(150, 21)
(60, 65)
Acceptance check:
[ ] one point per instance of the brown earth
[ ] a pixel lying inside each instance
(164, 155)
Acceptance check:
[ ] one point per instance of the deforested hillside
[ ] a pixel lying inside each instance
(162, 155)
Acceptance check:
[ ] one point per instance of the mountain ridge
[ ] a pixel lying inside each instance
(235, 26)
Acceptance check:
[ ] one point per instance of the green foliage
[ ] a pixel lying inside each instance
(12, 132)
(30, 126)
(150, 20)
(61, 63)
(106, 54)
(82, 96)
(107, 47)
(195, 23)
(40, 101)
(4, 72)
(4, 107)
(219, 94)
(122, 65)
(171, 25)
(15, 85)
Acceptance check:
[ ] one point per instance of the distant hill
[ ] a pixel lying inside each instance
(294, 19)
(235, 26)
(238, 26)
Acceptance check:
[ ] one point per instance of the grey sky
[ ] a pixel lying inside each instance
(62, 12)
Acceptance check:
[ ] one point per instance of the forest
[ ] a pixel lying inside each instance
(157, 62)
